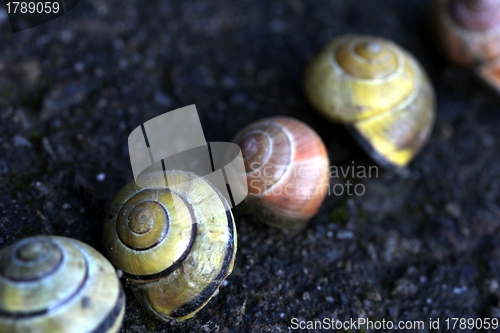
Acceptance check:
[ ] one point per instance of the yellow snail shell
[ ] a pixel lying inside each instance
(175, 243)
(379, 91)
(58, 285)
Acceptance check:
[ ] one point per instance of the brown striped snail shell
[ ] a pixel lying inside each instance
(467, 31)
(378, 91)
(287, 171)
(55, 284)
(174, 238)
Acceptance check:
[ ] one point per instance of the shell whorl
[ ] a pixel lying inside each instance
(56, 284)
(368, 59)
(467, 31)
(366, 76)
(174, 239)
(287, 170)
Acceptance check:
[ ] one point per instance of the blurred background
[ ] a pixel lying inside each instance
(411, 248)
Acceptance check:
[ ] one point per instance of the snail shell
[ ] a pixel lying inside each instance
(467, 31)
(56, 284)
(175, 243)
(287, 170)
(380, 93)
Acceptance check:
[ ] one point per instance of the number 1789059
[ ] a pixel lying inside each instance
(39, 7)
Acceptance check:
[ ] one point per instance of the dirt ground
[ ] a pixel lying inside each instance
(411, 248)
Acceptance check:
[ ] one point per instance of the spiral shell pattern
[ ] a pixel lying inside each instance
(174, 239)
(379, 91)
(287, 170)
(56, 284)
(467, 31)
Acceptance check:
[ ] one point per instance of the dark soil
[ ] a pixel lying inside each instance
(411, 248)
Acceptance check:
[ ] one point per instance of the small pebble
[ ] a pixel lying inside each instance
(66, 206)
(393, 310)
(61, 95)
(453, 209)
(329, 299)
(67, 35)
(345, 235)
(48, 148)
(491, 286)
(101, 176)
(306, 296)
(79, 66)
(41, 188)
(404, 288)
(374, 296)
(20, 141)
(102, 103)
(162, 99)
(460, 290)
